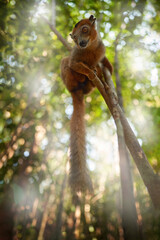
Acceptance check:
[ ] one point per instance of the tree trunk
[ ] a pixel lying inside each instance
(6, 215)
(129, 214)
(57, 233)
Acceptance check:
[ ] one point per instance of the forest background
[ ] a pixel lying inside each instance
(35, 200)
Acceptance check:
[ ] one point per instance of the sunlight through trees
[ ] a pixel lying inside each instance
(35, 110)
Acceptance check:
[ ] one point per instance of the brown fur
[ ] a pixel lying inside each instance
(76, 70)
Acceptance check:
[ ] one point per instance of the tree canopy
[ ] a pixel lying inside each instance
(36, 109)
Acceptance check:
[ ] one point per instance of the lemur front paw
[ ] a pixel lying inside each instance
(94, 69)
(92, 75)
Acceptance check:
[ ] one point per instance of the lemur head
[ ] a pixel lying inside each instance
(84, 32)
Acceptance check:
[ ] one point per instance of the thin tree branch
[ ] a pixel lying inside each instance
(63, 41)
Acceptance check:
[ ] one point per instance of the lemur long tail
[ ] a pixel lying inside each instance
(79, 179)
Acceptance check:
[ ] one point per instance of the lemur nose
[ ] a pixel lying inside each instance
(83, 43)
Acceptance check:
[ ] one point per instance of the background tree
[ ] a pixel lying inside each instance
(35, 113)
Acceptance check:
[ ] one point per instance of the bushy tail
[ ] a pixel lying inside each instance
(79, 179)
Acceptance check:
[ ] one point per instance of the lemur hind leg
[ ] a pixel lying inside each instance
(71, 79)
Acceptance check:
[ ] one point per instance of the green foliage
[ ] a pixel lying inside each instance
(35, 109)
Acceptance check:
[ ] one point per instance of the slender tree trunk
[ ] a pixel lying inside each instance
(129, 214)
(57, 233)
(6, 216)
(44, 217)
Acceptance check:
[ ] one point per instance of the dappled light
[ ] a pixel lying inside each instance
(36, 200)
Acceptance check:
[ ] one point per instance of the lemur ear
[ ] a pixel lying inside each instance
(71, 35)
(92, 19)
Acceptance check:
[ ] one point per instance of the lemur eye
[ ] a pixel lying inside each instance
(85, 29)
